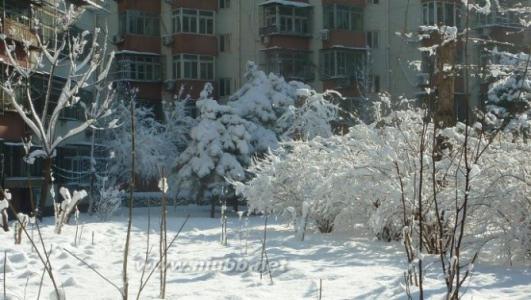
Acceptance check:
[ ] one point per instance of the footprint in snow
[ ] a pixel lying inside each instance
(8, 266)
(70, 282)
(26, 274)
(62, 255)
(18, 258)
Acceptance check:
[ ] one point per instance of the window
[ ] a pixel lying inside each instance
(375, 83)
(224, 3)
(224, 43)
(373, 39)
(48, 22)
(507, 18)
(14, 164)
(139, 22)
(189, 20)
(343, 17)
(292, 65)
(440, 12)
(374, 1)
(341, 63)
(224, 87)
(193, 21)
(206, 22)
(195, 67)
(139, 67)
(206, 67)
(291, 20)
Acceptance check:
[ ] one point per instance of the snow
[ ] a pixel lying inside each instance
(350, 266)
(286, 2)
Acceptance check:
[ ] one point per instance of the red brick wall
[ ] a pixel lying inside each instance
(288, 42)
(351, 91)
(194, 87)
(195, 44)
(140, 43)
(197, 4)
(345, 38)
(346, 2)
(143, 5)
(12, 127)
(149, 90)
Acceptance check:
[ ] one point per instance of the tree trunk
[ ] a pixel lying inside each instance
(212, 207)
(5, 224)
(46, 184)
(92, 173)
(445, 84)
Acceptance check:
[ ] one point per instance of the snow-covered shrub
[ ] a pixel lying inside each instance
(153, 149)
(299, 181)
(110, 200)
(5, 197)
(502, 190)
(64, 209)
(20, 225)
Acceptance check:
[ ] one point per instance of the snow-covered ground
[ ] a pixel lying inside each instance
(350, 266)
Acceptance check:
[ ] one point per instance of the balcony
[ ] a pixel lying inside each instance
(286, 18)
(5, 104)
(292, 65)
(19, 32)
(280, 30)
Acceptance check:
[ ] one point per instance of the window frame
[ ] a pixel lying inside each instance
(193, 67)
(335, 63)
(435, 12)
(139, 23)
(139, 67)
(194, 21)
(343, 17)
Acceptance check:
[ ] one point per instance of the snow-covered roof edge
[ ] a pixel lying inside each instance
(136, 52)
(286, 2)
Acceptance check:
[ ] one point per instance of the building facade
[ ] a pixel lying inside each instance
(358, 47)
(171, 48)
(73, 157)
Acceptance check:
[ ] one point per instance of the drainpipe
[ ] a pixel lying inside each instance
(389, 69)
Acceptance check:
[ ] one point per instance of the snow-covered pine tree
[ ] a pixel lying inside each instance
(220, 147)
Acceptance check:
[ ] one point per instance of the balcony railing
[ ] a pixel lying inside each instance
(5, 103)
(275, 29)
(19, 32)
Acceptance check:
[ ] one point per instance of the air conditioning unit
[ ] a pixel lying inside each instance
(167, 40)
(325, 34)
(169, 85)
(116, 39)
(423, 79)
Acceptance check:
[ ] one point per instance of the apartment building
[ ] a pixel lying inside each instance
(167, 48)
(73, 159)
(358, 47)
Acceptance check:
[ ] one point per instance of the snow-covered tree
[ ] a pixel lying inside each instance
(153, 150)
(220, 147)
(264, 112)
(82, 61)
(509, 95)
(282, 110)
